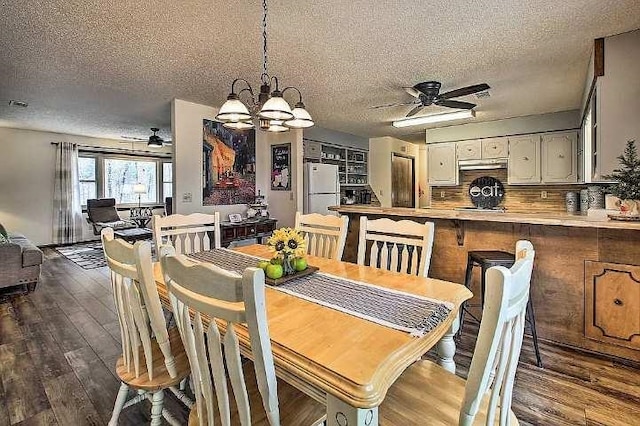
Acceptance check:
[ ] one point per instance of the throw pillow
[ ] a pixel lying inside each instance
(3, 231)
(4, 239)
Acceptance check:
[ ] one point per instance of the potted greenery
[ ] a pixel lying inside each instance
(627, 177)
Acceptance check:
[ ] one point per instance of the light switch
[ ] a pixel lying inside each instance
(187, 197)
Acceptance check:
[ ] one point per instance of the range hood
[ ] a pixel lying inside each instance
(487, 164)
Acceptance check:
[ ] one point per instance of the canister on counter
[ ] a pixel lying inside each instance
(584, 201)
(572, 202)
(596, 197)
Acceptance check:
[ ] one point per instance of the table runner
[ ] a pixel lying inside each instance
(402, 311)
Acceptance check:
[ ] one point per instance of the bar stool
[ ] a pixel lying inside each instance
(487, 259)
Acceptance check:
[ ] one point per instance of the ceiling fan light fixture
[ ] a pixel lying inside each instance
(301, 118)
(155, 141)
(233, 110)
(436, 118)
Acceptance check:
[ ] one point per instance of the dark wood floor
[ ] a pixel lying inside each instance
(58, 348)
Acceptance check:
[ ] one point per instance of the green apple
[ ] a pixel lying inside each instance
(274, 271)
(276, 261)
(263, 264)
(300, 264)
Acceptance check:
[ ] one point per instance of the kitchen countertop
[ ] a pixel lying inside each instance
(552, 219)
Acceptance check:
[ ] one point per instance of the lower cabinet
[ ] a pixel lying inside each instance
(612, 303)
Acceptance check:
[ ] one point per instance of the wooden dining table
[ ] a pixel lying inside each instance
(343, 361)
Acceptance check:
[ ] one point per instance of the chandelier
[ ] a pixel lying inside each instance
(273, 112)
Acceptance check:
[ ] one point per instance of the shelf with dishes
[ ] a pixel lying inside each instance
(352, 163)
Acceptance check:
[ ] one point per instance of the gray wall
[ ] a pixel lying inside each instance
(333, 136)
(510, 126)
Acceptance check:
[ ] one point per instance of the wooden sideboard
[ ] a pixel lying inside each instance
(247, 229)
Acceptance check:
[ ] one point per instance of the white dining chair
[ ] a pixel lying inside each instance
(153, 358)
(188, 234)
(427, 392)
(325, 235)
(197, 290)
(399, 246)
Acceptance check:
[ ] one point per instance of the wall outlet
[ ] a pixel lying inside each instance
(543, 194)
(187, 197)
(442, 194)
(291, 196)
(381, 194)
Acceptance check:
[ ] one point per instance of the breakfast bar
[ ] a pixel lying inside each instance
(586, 280)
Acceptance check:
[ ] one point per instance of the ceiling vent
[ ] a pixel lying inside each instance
(16, 103)
(482, 95)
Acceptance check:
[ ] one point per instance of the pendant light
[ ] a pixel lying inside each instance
(270, 107)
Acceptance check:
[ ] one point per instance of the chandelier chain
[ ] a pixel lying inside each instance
(264, 38)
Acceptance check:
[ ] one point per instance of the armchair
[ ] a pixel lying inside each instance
(103, 214)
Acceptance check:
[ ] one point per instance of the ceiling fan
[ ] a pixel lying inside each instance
(428, 93)
(153, 141)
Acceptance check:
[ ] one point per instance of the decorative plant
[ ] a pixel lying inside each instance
(627, 175)
(289, 248)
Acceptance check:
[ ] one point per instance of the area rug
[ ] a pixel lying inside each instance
(86, 255)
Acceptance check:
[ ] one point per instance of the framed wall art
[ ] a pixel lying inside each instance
(228, 165)
(281, 167)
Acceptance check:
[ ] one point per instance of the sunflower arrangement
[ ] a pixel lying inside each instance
(287, 244)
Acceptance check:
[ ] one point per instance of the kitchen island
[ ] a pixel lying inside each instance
(586, 279)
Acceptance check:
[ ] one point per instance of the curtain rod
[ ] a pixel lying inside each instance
(107, 150)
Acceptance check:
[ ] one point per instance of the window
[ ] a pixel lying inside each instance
(87, 178)
(167, 179)
(103, 175)
(121, 175)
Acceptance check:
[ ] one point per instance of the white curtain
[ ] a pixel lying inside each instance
(67, 212)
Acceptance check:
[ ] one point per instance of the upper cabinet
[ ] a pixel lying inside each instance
(442, 164)
(469, 150)
(559, 157)
(611, 103)
(495, 148)
(524, 159)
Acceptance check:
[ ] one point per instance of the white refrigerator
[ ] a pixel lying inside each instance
(321, 186)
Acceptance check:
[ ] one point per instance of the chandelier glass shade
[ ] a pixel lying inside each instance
(270, 107)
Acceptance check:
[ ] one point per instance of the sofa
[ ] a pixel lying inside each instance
(20, 261)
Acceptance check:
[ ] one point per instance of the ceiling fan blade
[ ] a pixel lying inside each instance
(454, 104)
(412, 91)
(414, 111)
(393, 105)
(464, 91)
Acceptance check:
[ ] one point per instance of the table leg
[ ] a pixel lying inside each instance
(447, 347)
(339, 413)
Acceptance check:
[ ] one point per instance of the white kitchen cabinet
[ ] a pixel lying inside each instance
(495, 148)
(559, 157)
(442, 164)
(524, 159)
(469, 150)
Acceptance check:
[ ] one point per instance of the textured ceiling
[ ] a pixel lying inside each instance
(111, 67)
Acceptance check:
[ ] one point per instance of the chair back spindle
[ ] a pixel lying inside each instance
(187, 233)
(325, 235)
(495, 358)
(400, 246)
(226, 298)
(137, 303)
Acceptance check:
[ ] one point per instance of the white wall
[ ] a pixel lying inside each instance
(323, 134)
(510, 126)
(27, 168)
(186, 119)
(380, 154)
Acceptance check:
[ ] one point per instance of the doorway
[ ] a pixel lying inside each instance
(403, 182)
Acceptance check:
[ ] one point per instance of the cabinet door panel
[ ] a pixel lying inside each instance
(469, 150)
(524, 159)
(443, 168)
(612, 303)
(559, 151)
(495, 148)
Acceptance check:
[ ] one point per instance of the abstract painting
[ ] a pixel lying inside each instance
(228, 165)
